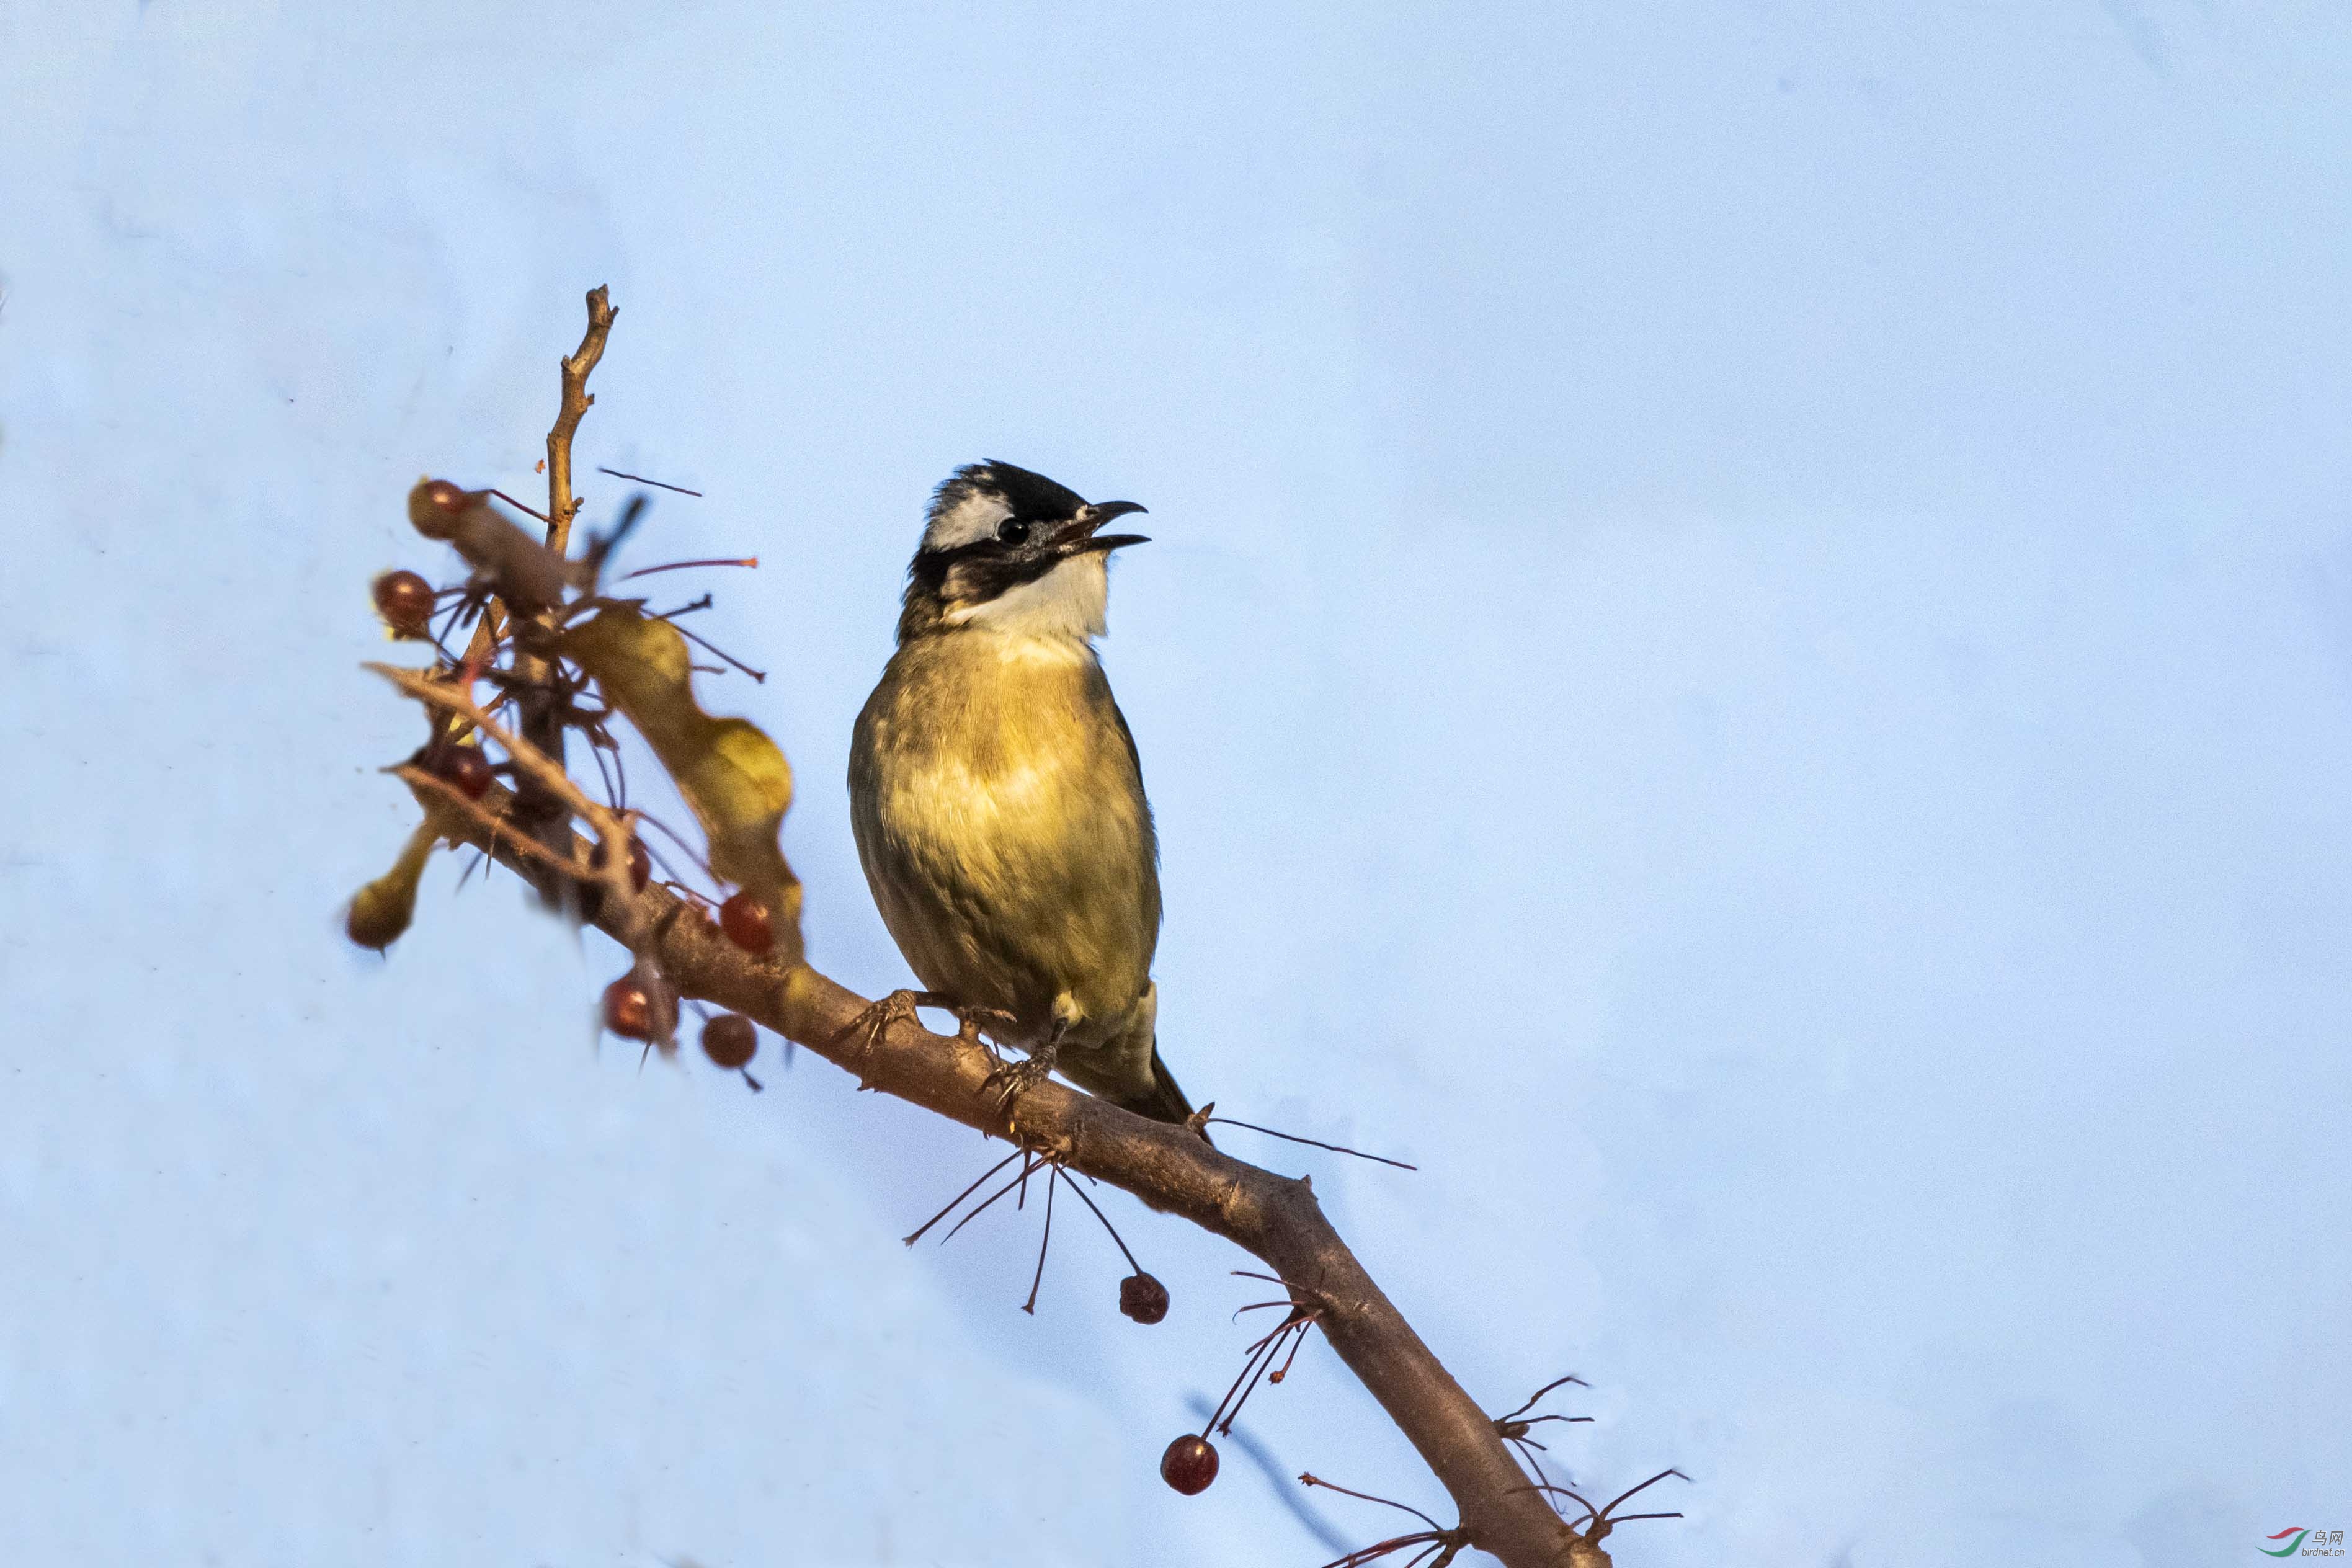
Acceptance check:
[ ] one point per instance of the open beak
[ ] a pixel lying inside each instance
(1084, 537)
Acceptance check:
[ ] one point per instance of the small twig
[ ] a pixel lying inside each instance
(989, 1202)
(640, 478)
(682, 566)
(1053, 1180)
(532, 763)
(693, 855)
(759, 675)
(1132, 1263)
(1532, 1400)
(539, 721)
(519, 506)
(1246, 1380)
(1317, 1142)
(959, 1197)
(561, 508)
(1646, 1486)
(605, 774)
(526, 757)
(1438, 1544)
(1306, 1479)
(1257, 1306)
(1296, 1344)
(1605, 1519)
(449, 795)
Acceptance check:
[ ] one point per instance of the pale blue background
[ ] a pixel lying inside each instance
(1748, 655)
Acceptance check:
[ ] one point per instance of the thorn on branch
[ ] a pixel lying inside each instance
(1438, 1544)
(1303, 1312)
(1514, 1427)
(1294, 1138)
(1141, 1297)
(1597, 1522)
(759, 675)
(640, 478)
(682, 566)
(518, 506)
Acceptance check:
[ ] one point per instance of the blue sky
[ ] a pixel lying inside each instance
(1747, 656)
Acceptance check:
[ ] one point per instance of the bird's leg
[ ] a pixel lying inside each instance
(968, 1023)
(1012, 1079)
(898, 1008)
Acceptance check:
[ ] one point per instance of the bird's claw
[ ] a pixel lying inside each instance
(898, 1008)
(1008, 1081)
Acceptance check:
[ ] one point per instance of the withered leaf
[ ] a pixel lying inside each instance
(526, 574)
(732, 777)
(381, 911)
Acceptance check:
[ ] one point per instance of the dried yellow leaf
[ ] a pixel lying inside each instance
(733, 777)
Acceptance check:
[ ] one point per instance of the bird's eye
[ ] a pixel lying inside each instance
(1013, 530)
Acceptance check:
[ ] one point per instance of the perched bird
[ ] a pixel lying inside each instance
(998, 799)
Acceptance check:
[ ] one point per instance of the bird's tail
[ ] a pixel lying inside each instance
(1163, 1101)
(1116, 1074)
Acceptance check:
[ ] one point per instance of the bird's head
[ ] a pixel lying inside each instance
(1010, 550)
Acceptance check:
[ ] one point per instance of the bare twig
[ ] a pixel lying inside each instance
(542, 723)
(577, 400)
(519, 506)
(1295, 1138)
(640, 478)
(612, 828)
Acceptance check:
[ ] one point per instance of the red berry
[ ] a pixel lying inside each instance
(1188, 1465)
(1142, 1298)
(629, 1009)
(731, 1041)
(641, 865)
(404, 600)
(744, 918)
(435, 507)
(464, 767)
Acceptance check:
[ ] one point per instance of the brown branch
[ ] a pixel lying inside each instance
(553, 781)
(541, 725)
(577, 399)
(1272, 1217)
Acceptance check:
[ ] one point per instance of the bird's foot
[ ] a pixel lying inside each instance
(1011, 1081)
(968, 1021)
(898, 1008)
(870, 1025)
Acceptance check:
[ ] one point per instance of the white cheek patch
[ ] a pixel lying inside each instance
(974, 516)
(1066, 605)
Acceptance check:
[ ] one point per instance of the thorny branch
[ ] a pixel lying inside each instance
(541, 724)
(1274, 1217)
